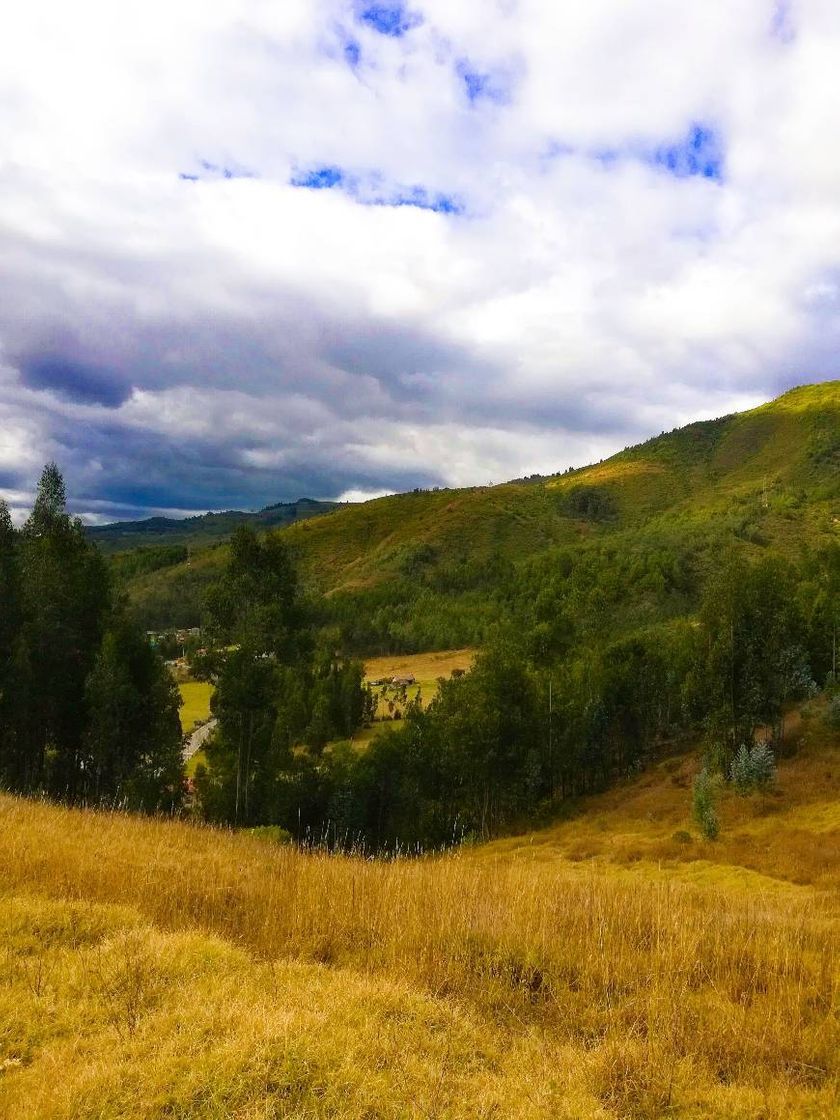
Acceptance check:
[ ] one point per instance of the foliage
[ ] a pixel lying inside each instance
(274, 693)
(832, 712)
(752, 768)
(87, 709)
(703, 805)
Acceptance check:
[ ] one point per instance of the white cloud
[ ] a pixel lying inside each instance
(260, 339)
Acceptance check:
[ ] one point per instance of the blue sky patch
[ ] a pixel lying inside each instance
(699, 153)
(482, 85)
(392, 19)
(319, 178)
(422, 199)
(352, 53)
(370, 190)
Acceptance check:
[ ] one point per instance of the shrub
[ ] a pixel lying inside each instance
(832, 713)
(703, 805)
(752, 768)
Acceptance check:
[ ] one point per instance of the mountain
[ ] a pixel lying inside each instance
(435, 568)
(204, 529)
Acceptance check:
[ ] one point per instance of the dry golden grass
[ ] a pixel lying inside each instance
(790, 835)
(426, 668)
(158, 969)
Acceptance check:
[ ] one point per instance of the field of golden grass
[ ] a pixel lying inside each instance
(196, 707)
(426, 668)
(158, 969)
(787, 836)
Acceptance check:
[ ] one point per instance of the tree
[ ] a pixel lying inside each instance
(88, 710)
(133, 739)
(256, 604)
(274, 692)
(752, 768)
(753, 659)
(703, 805)
(10, 624)
(66, 600)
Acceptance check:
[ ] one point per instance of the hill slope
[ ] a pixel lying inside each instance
(765, 478)
(199, 531)
(157, 969)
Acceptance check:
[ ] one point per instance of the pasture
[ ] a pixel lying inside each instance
(196, 703)
(598, 970)
(426, 668)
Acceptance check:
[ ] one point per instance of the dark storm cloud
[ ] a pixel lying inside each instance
(72, 380)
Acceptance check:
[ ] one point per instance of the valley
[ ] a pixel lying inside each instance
(516, 802)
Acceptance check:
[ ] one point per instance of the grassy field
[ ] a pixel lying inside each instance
(426, 668)
(599, 969)
(196, 707)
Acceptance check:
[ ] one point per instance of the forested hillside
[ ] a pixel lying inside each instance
(204, 529)
(612, 547)
(647, 627)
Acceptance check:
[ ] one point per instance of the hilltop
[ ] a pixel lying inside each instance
(612, 967)
(203, 529)
(427, 569)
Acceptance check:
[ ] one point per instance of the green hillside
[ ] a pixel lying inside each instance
(435, 569)
(204, 529)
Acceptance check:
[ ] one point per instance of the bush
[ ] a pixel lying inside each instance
(703, 805)
(752, 768)
(832, 713)
(681, 837)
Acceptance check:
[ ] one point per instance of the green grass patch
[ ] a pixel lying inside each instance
(196, 708)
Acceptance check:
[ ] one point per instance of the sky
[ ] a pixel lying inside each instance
(252, 251)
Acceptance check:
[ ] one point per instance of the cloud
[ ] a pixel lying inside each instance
(252, 252)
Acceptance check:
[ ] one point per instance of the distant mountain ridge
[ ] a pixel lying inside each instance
(202, 529)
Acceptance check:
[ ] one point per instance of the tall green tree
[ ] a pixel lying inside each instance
(10, 624)
(755, 659)
(256, 604)
(133, 739)
(66, 600)
(274, 693)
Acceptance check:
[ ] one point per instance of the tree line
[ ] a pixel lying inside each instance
(555, 707)
(580, 682)
(88, 711)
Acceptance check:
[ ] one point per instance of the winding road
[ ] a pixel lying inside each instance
(195, 741)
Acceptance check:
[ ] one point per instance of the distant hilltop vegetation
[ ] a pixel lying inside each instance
(605, 549)
(203, 529)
